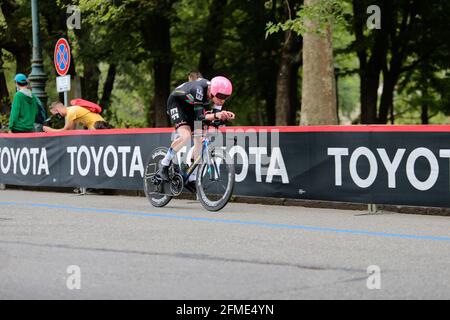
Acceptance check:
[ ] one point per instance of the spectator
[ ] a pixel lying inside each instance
(194, 75)
(27, 111)
(76, 115)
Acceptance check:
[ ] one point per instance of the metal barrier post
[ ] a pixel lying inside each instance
(372, 208)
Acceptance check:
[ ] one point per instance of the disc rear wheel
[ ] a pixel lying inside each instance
(150, 188)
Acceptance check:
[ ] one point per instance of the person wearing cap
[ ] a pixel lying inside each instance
(25, 107)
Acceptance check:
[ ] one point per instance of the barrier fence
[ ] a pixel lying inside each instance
(399, 165)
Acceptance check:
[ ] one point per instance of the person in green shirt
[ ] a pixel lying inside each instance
(25, 107)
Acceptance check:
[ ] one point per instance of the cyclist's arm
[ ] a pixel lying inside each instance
(219, 109)
(211, 116)
(199, 102)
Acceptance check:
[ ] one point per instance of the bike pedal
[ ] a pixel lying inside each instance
(156, 180)
(159, 188)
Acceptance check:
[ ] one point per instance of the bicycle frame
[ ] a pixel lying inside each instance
(209, 159)
(200, 158)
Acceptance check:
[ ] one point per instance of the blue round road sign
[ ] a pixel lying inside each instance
(62, 57)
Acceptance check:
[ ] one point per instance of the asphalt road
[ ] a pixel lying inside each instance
(65, 246)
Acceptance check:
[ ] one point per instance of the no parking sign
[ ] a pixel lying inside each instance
(62, 64)
(62, 57)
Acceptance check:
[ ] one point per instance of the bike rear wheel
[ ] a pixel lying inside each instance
(156, 200)
(215, 182)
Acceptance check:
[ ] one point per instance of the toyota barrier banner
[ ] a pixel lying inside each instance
(405, 165)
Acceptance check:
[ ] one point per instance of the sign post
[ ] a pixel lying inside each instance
(62, 64)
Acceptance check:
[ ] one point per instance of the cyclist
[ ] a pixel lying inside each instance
(185, 105)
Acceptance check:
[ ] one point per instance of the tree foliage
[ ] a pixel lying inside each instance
(129, 54)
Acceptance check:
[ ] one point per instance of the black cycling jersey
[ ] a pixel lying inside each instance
(187, 103)
(193, 93)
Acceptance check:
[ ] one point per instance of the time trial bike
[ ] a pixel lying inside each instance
(215, 179)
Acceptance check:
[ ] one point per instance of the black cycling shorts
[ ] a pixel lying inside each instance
(179, 115)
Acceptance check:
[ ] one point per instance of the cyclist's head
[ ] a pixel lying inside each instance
(221, 88)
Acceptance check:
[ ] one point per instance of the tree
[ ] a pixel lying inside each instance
(144, 27)
(16, 36)
(256, 58)
(287, 100)
(5, 101)
(212, 38)
(411, 32)
(108, 86)
(15, 23)
(371, 50)
(314, 21)
(155, 30)
(131, 53)
(318, 85)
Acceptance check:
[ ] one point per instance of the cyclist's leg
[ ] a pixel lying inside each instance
(197, 136)
(180, 119)
(184, 136)
(183, 122)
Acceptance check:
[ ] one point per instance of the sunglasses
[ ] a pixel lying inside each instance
(222, 96)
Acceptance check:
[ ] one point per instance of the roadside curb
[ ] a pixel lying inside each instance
(381, 208)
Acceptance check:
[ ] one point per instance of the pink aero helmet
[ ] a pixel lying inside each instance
(221, 87)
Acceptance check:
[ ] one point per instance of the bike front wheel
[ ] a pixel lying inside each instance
(215, 182)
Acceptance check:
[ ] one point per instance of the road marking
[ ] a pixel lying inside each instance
(229, 221)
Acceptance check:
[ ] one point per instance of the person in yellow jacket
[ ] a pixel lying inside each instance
(76, 115)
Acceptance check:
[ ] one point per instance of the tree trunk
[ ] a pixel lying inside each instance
(293, 95)
(287, 81)
(161, 70)
(387, 97)
(159, 45)
(391, 112)
(105, 101)
(399, 34)
(91, 72)
(370, 80)
(90, 79)
(424, 115)
(5, 102)
(318, 81)
(23, 59)
(55, 24)
(370, 66)
(212, 38)
(266, 62)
